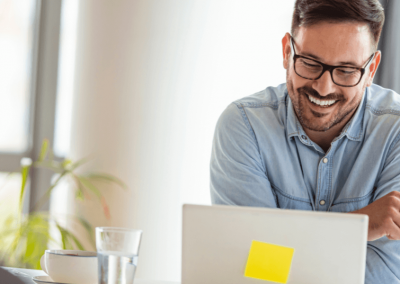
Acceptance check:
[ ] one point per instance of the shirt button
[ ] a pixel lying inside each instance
(304, 137)
(325, 160)
(322, 202)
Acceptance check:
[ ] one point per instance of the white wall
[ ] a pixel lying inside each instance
(239, 54)
(151, 79)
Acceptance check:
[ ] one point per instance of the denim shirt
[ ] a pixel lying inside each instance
(262, 157)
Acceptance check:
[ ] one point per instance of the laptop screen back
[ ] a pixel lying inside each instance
(328, 247)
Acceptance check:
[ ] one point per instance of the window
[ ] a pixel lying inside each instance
(69, 13)
(29, 37)
(17, 20)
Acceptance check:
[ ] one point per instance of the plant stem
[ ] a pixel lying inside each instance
(46, 196)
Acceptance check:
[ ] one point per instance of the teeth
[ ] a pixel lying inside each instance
(321, 103)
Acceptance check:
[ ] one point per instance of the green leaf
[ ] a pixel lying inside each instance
(80, 188)
(64, 237)
(66, 163)
(16, 240)
(24, 174)
(77, 242)
(50, 165)
(37, 237)
(73, 166)
(106, 177)
(89, 229)
(67, 237)
(43, 150)
(46, 196)
(79, 194)
(87, 184)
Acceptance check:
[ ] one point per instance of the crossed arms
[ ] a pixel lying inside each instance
(239, 177)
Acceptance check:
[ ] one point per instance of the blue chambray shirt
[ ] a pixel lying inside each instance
(262, 157)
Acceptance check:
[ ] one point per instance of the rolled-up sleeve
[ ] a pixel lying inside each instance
(383, 260)
(237, 173)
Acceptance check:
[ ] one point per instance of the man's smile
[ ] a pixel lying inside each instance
(321, 103)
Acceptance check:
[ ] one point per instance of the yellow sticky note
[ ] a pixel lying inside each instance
(269, 262)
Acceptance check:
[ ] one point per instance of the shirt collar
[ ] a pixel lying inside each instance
(353, 129)
(292, 129)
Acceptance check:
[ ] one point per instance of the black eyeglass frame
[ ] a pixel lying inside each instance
(330, 68)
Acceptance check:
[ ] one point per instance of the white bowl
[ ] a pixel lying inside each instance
(70, 266)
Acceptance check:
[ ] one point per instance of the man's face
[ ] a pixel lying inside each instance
(347, 44)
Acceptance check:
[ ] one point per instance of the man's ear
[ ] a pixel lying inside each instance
(286, 50)
(373, 67)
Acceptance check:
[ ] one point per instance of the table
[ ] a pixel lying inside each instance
(26, 276)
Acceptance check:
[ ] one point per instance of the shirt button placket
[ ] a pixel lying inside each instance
(324, 186)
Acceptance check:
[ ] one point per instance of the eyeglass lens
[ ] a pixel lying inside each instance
(310, 69)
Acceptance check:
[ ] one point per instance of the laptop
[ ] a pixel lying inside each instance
(217, 240)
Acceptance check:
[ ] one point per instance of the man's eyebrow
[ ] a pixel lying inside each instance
(320, 59)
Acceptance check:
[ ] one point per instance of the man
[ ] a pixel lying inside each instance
(328, 139)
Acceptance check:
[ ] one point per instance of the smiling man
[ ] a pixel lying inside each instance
(327, 139)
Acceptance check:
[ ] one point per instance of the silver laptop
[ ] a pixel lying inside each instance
(328, 247)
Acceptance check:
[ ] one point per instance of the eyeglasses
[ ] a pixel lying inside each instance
(311, 69)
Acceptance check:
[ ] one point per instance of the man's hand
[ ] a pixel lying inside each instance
(384, 217)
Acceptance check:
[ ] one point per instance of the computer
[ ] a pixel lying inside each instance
(325, 247)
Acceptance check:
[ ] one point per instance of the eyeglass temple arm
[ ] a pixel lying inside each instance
(291, 46)
(370, 61)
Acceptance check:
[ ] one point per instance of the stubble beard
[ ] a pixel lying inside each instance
(313, 123)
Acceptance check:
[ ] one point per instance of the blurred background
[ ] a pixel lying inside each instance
(137, 86)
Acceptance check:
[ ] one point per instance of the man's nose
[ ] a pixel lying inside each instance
(324, 85)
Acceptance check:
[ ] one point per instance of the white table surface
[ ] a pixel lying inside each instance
(27, 274)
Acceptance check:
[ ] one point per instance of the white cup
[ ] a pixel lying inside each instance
(70, 266)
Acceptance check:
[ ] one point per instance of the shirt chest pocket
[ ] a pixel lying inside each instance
(351, 204)
(287, 201)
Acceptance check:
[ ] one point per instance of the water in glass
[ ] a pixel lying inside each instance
(116, 267)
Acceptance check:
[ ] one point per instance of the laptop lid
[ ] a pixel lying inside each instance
(328, 247)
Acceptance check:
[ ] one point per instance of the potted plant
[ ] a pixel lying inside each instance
(24, 237)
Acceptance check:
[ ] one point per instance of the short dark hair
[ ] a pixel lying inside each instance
(310, 12)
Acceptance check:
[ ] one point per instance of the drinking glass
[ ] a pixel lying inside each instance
(117, 252)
